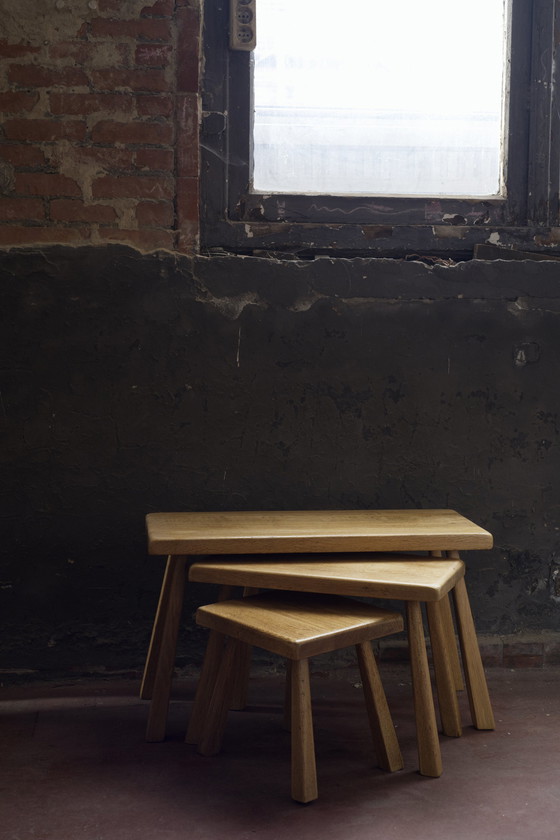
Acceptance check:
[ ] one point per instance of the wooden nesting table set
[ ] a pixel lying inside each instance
(407, 555)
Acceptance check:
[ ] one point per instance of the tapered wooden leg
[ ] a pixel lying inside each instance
(242, 668)
(287, 723)
(381, 724)
(208, 673)
(152, 659)
(477, 689)
(449, 630)
(162, 656)
(218, 704)
(450, 635)
(447, 694)
(304, 774)
(429, 754)
(210, 665)
(240, 687)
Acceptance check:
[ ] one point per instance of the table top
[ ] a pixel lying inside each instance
(265, 532)
(407, 578)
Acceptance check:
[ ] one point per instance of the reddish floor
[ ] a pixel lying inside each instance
(74, 766)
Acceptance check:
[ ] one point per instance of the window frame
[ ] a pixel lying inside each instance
(237, 220)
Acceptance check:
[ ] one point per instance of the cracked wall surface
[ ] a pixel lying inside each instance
(137, 383)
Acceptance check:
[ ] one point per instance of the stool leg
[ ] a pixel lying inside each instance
(304, 773)
(211, 663)
(216, 713)
(450, 635)
(381, 724)
(449, 630)
(242, 667)
(150, 668)
(162, 655)
(447, 694)
(477, 689)
(206, 681)
(429, 753)
(240, 687)
(287, 722)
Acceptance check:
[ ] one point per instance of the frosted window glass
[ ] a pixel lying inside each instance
(374, 97)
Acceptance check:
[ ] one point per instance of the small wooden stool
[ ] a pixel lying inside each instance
(415, 580)
(294, 626)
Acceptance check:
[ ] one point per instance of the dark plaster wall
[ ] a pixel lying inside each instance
(134, 383)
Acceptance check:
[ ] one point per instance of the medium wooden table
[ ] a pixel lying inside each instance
(184, 536)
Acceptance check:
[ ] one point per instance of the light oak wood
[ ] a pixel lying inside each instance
(208, 674)
(218, 703)
(158, 630)
(304, 772)
(242, 667)
(293, 625)
(357, 575)
(447, 693)
(164, 662)
(452, 646)
(429, 754)
(298, 627)
(290, 532)
(477, 688)
(254, 532)
(383, 732)
(211, 666)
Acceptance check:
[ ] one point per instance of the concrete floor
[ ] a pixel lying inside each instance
(74, 766)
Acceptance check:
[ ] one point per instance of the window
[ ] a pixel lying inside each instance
(476, 161)
(345, 115)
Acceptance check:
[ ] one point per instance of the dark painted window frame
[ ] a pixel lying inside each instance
(233, 219)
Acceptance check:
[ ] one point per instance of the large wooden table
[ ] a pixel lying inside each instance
(191, 536)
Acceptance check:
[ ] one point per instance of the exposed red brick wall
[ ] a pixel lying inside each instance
(99, 136)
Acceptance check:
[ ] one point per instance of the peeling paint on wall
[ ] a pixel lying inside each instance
(131, 384)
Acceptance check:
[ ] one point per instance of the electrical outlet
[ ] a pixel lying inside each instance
(242, 25)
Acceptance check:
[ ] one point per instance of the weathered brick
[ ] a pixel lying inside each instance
(14, 235)
(88, 55)
(187, 203)
(552, 653)
(109, 5)
(39, 183)
(149, 30)
(67, 210)
(160, 160)
(37, 130)
(523, 655)
(90, 103)
(78, 51)
(188, 49)
(155, 214)
(107, 159)
(153, 55)
(491, 651)
(161, 8)
(137, 80)
(154, 105)
(13, 102)
(144, 240)
(139, 186)
(21, 209)
(133, 133)
(187, 135)
(22, 155)
(16, 50)
(32, 75)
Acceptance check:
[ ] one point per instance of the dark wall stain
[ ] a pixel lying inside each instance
(136, 383)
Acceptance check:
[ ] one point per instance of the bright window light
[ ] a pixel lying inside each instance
(369, 97)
